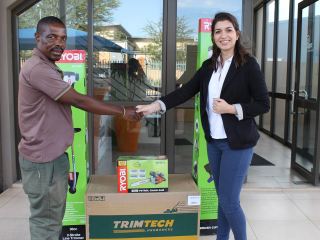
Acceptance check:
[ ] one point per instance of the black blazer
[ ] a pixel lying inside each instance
(244, 85)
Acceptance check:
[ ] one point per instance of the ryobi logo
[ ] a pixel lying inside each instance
(73, 56)
(143, 224)
(122, 179)
(205, 24)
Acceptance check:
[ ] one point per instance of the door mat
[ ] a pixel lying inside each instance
(182, 141)
(257, 160)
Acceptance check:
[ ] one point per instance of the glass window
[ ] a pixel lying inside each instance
(30, 17)
(127, 67)
(268, 59)
(283, 25)
(290, 129)
(76, 17)
(266, 120)
(309, 54)
(306, 138)
(279, 124)
(258, 40)
(305, 41)
(27, 23)
(74, 13)
(294, 47)
(294, 42)
(315, 50)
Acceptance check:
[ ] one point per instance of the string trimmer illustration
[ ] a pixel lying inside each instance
(70, 77)
(73, 176)
(208, 170)
(155, 178)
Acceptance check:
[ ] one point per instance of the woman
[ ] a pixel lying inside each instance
(232, 92)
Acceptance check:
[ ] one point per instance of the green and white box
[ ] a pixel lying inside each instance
(140, 174)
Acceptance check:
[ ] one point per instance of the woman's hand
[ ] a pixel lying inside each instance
(130, 114)
(148, 109)
(220, 106)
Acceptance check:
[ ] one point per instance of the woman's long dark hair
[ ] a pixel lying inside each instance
(240, 53)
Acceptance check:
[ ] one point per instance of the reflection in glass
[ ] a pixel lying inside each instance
(315, 51)
(27, 23)
(184, 140)
(293, 68)
(290, 128)
(268, 60)
(306, 123)
(127, 70)
(130, 69)
(30, 17)
(294, 42)
(186, 64)
(266, 120)
(308, 87)
(280, 117)
(282, 51)
(305, 40)
(76, 25)
(258, 41)
(309, 54)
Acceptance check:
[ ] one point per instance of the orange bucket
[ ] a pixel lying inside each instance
(127, 134)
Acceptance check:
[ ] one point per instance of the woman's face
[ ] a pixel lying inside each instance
(225, 36)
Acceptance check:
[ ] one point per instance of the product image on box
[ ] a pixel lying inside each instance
(142, 174)
(155, 178)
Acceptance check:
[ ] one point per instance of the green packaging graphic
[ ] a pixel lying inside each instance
(72, 64)
(142, 174)
(201, 170)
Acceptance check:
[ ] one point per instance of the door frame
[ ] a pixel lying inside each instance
(1, 168)
(313, 176)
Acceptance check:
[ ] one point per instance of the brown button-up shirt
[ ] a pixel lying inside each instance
(45, 125)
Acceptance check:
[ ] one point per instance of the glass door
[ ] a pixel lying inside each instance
(127, 70)
(305, 156)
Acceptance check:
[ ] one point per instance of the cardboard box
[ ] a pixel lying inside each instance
(140, 174)
(166, 215)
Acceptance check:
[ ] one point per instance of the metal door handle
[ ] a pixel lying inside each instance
(305, 93)
(292, 93)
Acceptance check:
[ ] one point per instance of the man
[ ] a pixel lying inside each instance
(45, 122)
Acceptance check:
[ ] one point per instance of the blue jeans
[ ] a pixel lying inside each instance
(229, 168)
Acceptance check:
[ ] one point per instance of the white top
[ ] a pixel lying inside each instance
(215, 86)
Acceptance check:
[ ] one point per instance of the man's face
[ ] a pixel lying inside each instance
(51, 41)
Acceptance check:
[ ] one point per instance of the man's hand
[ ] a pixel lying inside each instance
(148, 109)
(130, 114)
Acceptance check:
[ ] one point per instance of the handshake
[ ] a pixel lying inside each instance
(136, 113)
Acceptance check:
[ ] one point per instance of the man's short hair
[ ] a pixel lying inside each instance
(48, 20)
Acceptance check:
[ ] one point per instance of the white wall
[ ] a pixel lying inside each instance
(7, 137)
